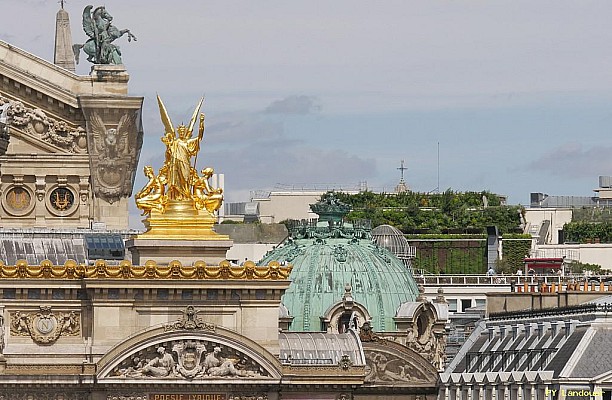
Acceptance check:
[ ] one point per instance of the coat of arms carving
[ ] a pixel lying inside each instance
(45, 326)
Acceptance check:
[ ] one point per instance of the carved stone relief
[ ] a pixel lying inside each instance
(189, 359)
(190, 321)
(45, 326)
(114, 143)
(385, 367)
(35, 122)
(18, 200)
(4, 127)
(425, 339)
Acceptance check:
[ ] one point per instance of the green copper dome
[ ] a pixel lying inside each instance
(327, 255)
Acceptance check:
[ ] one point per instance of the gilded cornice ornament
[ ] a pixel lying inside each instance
(35, 122)
(150, 270)
(45, 326)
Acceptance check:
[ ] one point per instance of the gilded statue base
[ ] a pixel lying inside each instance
(180, 233)
(181, 221)
(179, 203)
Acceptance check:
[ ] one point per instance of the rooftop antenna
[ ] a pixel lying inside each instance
(438, 187)
(62, 3)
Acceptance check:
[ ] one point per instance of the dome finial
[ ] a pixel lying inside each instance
(329, 208)
(347, 299)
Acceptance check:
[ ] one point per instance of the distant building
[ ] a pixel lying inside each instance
(547, 215)
(271, 207)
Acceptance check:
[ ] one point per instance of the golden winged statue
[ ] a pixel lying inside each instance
(177, 183)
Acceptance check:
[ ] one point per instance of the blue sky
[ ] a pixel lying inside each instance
(518, 94)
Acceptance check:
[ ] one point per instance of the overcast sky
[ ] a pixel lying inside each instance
(510, 96)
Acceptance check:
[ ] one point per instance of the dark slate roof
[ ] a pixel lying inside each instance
(597, 357)
(565, 352)
(479, 342)
(519, 346)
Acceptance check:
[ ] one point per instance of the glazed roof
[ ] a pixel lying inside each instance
(317, 348)
(328, 253)
(392, 239)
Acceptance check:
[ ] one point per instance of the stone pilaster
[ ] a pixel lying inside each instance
(114, 141)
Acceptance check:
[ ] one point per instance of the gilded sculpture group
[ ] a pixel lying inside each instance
(178, 180)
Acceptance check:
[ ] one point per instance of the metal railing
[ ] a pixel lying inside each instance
(492, 280)
(547, 312)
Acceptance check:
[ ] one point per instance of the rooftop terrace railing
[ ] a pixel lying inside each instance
(523, 283)
(491, 280)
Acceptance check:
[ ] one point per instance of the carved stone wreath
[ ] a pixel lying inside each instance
(35, 122)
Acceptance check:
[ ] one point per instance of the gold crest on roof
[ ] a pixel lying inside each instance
(178, 202)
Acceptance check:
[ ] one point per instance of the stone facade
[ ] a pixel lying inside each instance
(85, 131)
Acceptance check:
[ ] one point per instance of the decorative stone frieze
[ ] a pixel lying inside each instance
(36, 122)
(384, 366)
(133, 396)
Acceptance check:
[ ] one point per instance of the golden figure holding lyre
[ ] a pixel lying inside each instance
(203, 194)
(178, 201)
